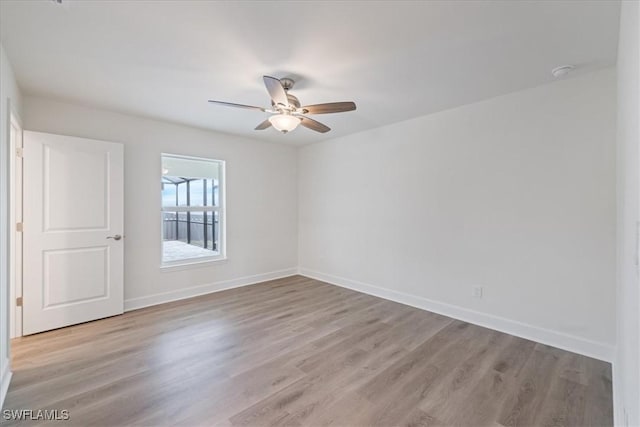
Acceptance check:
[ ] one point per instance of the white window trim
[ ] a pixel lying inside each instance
(221, 209)
(191, 263)
(191, 209)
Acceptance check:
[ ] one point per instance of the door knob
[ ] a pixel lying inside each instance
(116, 237)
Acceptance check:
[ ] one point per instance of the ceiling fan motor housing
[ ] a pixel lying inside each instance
(293, 100)
(287, 83)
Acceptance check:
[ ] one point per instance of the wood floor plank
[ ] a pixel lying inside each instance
(529, 394)
(564, 404)
(299, 352)
(499, 376)
(466, 383)
(599, 411)
(448, 342)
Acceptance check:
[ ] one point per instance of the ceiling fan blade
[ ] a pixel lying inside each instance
(263, 125)
(331, 107)
(276, 90)
(231, 104)
(314, 125)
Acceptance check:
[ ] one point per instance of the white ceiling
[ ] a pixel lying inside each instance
(396, 60)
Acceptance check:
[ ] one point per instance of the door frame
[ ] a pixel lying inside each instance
(15, 216)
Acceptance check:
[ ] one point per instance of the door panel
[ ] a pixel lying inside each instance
(73, 201)
(64, 284)
(79, 178)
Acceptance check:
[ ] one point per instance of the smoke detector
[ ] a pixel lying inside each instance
(562, 70)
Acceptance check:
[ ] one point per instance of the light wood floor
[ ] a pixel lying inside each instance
(297, 351)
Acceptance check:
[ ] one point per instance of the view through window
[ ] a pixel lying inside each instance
(192, 209)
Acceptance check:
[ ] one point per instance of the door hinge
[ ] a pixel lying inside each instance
(19, 302)
(19, 227)
(19, 152)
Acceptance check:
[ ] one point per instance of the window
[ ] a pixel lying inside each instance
(192, 209)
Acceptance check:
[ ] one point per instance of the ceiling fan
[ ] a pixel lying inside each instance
(286, 111)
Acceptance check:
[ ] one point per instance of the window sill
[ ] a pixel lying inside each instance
(193, 263)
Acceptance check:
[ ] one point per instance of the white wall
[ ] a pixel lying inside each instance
(261, 199)
(515, 194)
(9, 92)
(627, 362)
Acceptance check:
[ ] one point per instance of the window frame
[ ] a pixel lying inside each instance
(220, 209)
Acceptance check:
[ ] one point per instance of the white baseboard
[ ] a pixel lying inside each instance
(561, 340)
(620, 416)
(4, 384)
(617, 398)
(146, 301)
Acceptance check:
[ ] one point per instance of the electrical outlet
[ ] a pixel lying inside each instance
(477, 291)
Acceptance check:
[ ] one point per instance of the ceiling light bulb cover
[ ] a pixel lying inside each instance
(284, 122)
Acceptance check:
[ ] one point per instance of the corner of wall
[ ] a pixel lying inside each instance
(10, 99)
(626, 367)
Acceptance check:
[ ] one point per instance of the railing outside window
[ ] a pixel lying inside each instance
(192, 207)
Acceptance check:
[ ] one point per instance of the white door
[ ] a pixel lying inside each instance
(72, 229)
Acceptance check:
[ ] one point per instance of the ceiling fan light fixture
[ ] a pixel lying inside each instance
(286, 109)
(285, 122)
